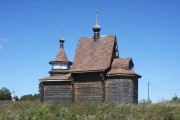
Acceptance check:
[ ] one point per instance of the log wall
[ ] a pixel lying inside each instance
(88, 91)
(57, 91)
(121, 90)
(91, 87)
(41, 92)
(87, 87)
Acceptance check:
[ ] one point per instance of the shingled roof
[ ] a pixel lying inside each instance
(123, 63)
(93, 55)
(65, 77)
(122, 66)
(61, 56)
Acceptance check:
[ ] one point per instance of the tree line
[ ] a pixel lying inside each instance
(5, 94)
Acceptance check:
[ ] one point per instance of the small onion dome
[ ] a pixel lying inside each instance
(96, 28)
(61, 38)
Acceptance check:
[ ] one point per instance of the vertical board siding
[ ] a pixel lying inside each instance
(135, 90)
(88, 91)
(88, 87)
(120, 91)
(91, 87)
(58, 93)
(41, 92)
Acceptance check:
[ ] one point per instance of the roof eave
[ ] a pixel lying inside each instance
(53, 80)
(52, 62)
(86, 71)
(122, 74)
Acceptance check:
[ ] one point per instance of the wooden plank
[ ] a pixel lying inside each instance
(119, 90)
(58, 93)
(88, 91)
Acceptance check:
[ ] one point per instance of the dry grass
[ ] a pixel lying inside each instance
(88, 111)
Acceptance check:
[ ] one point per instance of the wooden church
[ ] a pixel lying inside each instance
(96, 74)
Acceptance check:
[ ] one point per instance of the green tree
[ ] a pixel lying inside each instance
(175, 99)
(5, 94)
(30, 97)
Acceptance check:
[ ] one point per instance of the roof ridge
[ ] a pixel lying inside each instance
(101, 36)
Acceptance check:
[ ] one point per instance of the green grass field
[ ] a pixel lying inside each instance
(88, 111)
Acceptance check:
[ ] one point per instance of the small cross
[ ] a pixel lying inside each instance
(62, 33)
(96, 16)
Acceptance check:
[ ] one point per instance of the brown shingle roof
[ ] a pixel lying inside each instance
(122, 66)
(122, 71)
(123, 63)
(60, 77)
(61, 56)
(92, 56)
(59, 71)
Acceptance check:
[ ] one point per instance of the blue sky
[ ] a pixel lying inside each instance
(147, 31)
